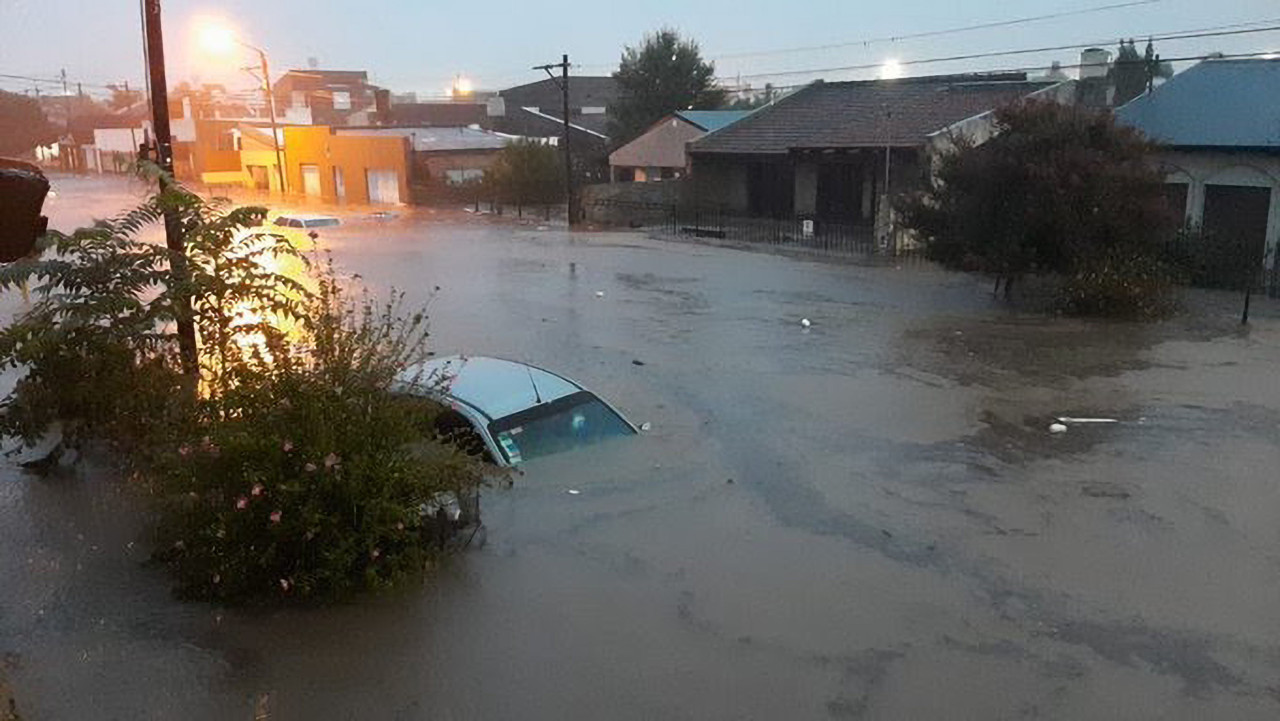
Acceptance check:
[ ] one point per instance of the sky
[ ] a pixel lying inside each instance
(421, 45)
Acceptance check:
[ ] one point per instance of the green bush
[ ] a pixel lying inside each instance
(1120, 284)
(306, 478)
(288, 469)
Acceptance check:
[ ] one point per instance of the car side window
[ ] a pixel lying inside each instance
(453, 427)
(282, 221)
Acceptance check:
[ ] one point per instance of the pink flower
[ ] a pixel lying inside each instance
(217, 578)
(242, 503)
(257, 490)
(284, 584)
(374, 554)
(275, 516)
(400, 526)
(287, 446)
(184, 450)
(310, 467)
(331, 461)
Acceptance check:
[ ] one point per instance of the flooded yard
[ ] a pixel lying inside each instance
(867, 518)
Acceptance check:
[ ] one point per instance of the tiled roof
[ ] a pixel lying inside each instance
(1217, 103)
(864, 113)
(712, 120)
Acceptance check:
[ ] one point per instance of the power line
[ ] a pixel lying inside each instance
(936, 33)
(977, 74)
(1185, 35)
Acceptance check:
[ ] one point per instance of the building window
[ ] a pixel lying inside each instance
(225, 141)
(593, 110)
(298, 99)
(463, 176)
(341, 100)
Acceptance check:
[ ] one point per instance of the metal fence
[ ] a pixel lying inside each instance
(864, 240)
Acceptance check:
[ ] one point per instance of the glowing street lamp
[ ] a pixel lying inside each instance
(218, 39)
(891, 69)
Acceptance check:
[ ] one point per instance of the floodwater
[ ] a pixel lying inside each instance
(867, 519)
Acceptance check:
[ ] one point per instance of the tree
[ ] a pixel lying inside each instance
(527, 172)
(1129, 73)
(1057, 190)
(23, 125)
(665, 74)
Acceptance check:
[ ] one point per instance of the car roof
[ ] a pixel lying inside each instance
(307, 216)
(493, 386)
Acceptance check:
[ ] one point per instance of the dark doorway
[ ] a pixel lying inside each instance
(770, 189)
(1235, 222)
(839, 192)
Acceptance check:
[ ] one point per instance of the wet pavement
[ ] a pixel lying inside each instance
(867, 519)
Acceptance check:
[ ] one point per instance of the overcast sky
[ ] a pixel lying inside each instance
(419, 45)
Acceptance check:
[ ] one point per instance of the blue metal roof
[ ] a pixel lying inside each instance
(1217, 103)
(713, 120)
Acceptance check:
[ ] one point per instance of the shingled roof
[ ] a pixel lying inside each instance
(853, 114)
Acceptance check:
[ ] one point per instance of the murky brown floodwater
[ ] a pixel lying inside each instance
(865, 520)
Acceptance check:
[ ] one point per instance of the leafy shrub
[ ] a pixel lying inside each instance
(306, 478)
(1120, 284)
(286, 468)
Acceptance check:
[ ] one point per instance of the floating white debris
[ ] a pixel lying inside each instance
(1082, 421)
(1057, 428)
(805, 322)
(646, 426)
(599, 293)
(573, 492)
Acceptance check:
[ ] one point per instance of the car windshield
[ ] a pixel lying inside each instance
(577, 420)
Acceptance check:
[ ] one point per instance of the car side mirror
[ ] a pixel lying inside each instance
(312, 234)
(23, 188)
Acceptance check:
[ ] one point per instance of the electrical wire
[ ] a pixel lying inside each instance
(1185, 35)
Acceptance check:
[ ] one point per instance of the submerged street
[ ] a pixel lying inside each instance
(867, 518)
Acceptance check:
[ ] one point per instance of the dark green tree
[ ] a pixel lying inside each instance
(1129, 74)
(1057, 190)
(527, 172)
(23, 125)
(664, 74)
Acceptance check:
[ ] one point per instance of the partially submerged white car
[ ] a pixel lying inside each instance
(512, 412)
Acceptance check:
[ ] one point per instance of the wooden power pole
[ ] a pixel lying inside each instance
(563, 83)
(154, 37)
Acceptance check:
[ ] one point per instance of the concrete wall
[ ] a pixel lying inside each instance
(355, 154)
(661, 146)
(630, 204)
(1199, 169)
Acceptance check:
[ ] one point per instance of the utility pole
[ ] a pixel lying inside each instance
(66, 99)
(271, 108)
(154, 38)
(563, 83)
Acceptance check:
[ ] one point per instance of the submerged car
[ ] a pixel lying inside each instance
(296, 220)
(512, 412)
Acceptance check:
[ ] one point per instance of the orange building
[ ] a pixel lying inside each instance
(351, 167)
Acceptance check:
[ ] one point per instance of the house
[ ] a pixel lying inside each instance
(589, 101)
(452, 156)
(827, 151)
(347, 165)
(536, 110)
(325, 97)
(1219, 123)
(659, 152)
(445, 114)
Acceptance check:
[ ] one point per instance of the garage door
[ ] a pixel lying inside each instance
(311, 180)
(384, 186)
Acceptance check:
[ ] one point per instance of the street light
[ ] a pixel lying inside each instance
(222, 40)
